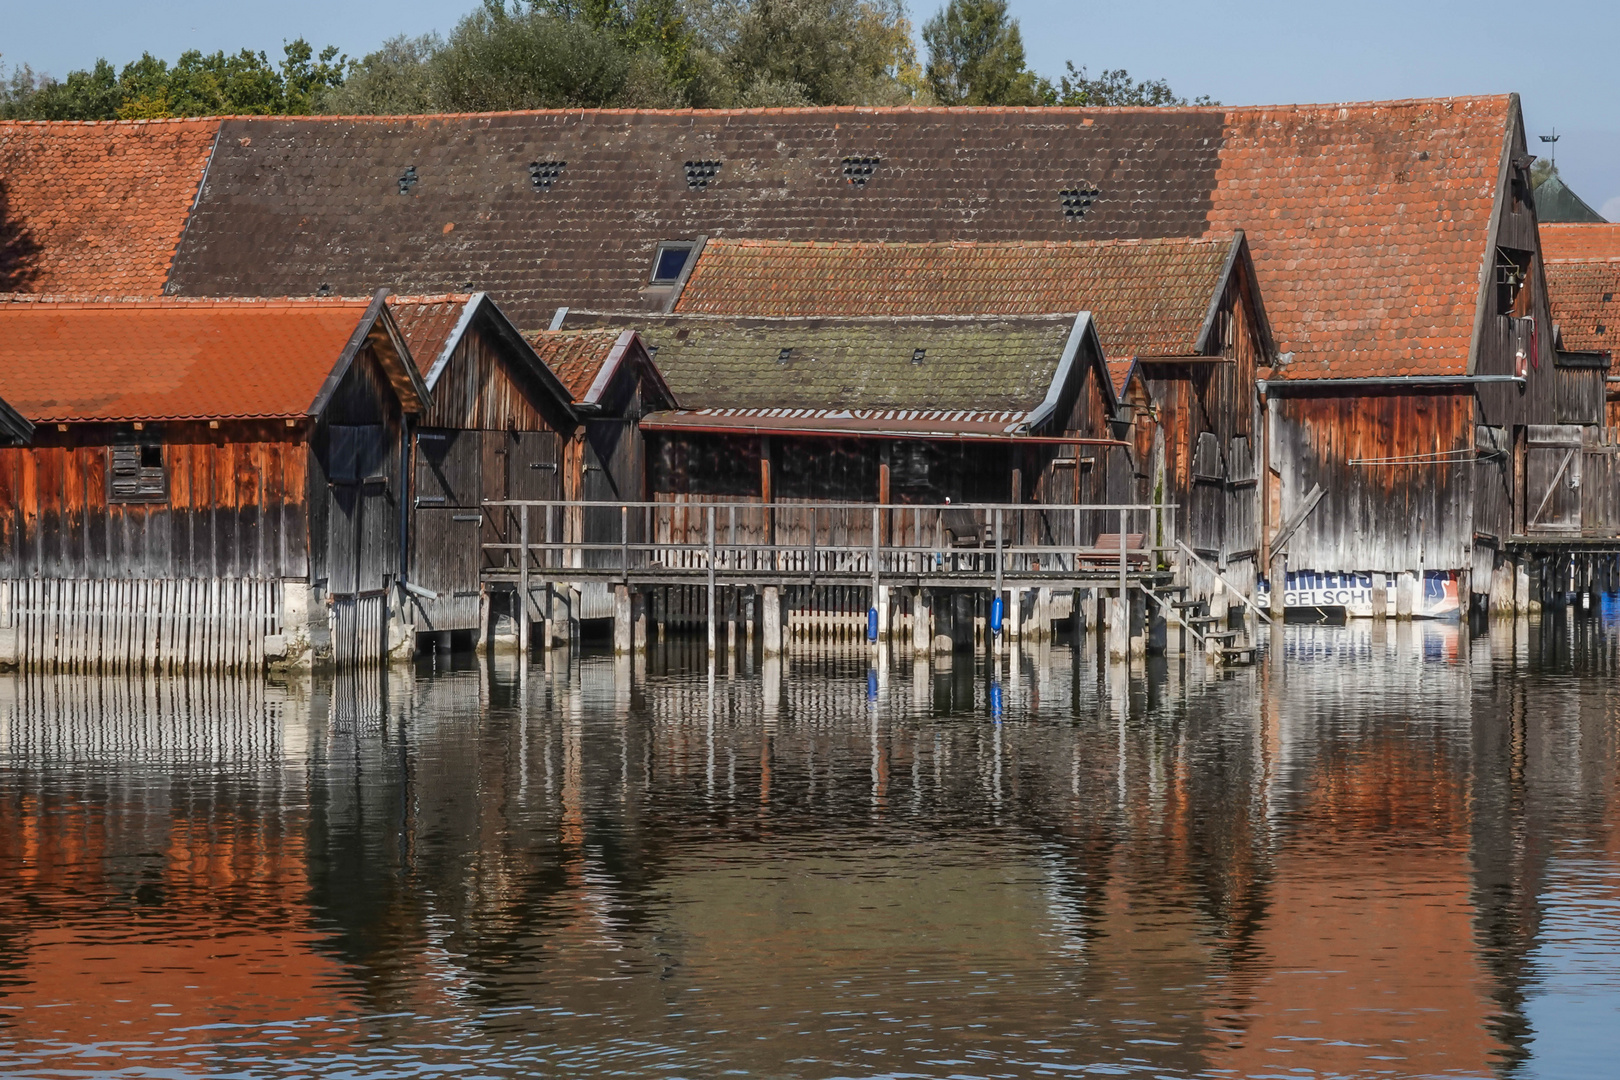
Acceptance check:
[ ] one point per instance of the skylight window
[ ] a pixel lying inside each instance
(1077, 200)
(668, 263)
(542, 174)
(699, 173)
(858, 170)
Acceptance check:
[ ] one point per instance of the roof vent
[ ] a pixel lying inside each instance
(1608, 297)
(858, 170)
(784, 356)
(699, 173)
(1077, 200)
(542, 174)
(918, 355)
(407, 180)
(323, 289)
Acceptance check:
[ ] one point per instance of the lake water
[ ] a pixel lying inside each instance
(1387, 850)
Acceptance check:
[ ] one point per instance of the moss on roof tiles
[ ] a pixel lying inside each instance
(978, 363)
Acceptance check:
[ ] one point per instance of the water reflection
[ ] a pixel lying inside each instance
(1387, 849)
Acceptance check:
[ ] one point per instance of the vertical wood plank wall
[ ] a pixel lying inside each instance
(192, 582)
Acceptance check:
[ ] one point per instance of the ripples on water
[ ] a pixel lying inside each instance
(1387, 851)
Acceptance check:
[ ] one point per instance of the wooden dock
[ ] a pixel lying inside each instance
(943, 563)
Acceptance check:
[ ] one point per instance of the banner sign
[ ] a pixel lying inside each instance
(1355, 594)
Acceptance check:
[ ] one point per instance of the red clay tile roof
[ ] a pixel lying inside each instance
(170, 360)
(1368, 222)
(1561, 243)
(1119, 372)
(427, 323)
(96, 207)
(1148, 297)
(575, 356)
(1584, 308)
(1369, 227)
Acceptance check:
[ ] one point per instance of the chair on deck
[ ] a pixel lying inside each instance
(965, 528)
(1105, 552)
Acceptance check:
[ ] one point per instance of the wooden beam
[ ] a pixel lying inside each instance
(1292, 523)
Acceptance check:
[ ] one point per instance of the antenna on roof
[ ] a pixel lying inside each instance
(1552, 141)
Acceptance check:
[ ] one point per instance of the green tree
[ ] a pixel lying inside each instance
(396, 80)
(821, 52)
(976, 57)
(543, 57)
(195, 85)
(1116, 87)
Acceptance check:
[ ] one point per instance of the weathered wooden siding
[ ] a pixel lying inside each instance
(357, 437)
(1210, 453)
(1398, 472)
(236, 506)
(479, 389)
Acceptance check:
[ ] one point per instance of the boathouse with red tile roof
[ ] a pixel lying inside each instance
(225, 471)
(499, 425)
(1390, 240)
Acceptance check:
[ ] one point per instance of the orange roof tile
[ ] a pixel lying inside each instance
(97, 207)
(576, 356)
(1148, 297)
(170, 360)
(1584, 308)
(1560, 243)
(1369, 226)
(1119, 373)
(427, 323)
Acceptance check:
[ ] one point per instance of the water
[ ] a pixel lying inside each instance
(1386, 851)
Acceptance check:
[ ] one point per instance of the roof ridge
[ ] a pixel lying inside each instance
(79, 300)
(1217, 239)
(152, 121)
(876, 110)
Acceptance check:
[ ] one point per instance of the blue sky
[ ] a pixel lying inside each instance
(1264, 51)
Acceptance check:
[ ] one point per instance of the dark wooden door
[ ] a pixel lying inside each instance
(446, 530)
(1208, 496)
(518, 465)
(362, 529)
(1552, 479)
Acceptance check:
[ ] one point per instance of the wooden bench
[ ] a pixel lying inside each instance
(1105, 551)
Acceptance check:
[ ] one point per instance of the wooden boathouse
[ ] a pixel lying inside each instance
(1187, 313)
(850, 414)
(498, 425)
(211, 483)
(1394, 243)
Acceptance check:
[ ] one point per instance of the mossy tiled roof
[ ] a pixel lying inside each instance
(976, 364)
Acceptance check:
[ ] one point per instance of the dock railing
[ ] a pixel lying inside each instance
(948, 544)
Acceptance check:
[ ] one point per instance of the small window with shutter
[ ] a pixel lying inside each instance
(136, 474)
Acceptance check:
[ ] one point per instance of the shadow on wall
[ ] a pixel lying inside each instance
(19, 251)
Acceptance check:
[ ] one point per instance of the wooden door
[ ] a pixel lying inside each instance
(445, 529)
(362, 527)
(534, 465)
(609, 462)
(1208, 496)
(1552, 479)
